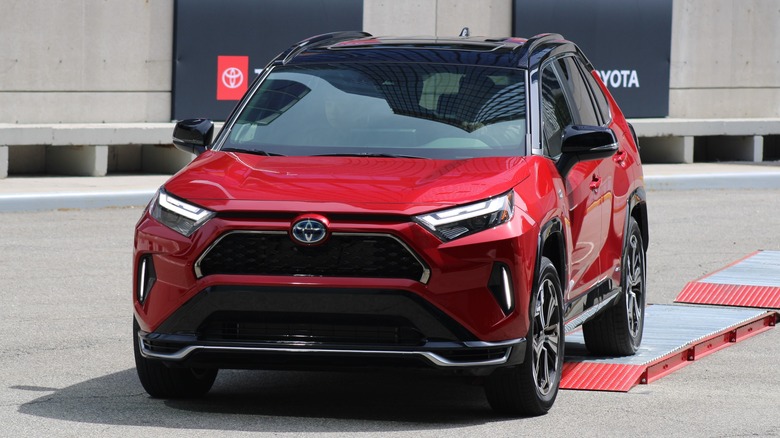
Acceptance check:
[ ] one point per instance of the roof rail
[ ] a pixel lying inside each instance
(321, 40)
(533, 43)
(541, 39)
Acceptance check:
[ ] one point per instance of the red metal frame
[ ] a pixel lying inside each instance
(698, 292)
(605, 376)
(765, 297)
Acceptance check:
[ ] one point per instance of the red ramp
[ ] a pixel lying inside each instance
(753, 281)
(674, 336)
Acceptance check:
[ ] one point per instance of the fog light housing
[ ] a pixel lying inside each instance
(500, 285)
(146, 278)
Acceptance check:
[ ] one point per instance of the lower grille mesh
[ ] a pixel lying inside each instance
(320, 329)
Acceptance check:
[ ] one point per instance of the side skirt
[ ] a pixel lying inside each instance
(590, 304)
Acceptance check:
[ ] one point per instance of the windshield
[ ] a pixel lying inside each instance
(421, 110)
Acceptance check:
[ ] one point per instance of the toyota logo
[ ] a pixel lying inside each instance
(232, 77)
(309, 231)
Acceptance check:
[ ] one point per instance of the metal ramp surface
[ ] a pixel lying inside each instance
(753, 281)
(674, 336)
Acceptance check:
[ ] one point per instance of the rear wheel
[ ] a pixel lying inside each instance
(161, 381)
(618, 331)
(531, 388)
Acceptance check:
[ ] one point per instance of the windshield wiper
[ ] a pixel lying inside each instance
(368, 154)
(252, 151)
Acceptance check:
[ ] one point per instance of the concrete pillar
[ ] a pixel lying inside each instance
(77, 160)
(3, 161)
(491, 18)
(666, 149)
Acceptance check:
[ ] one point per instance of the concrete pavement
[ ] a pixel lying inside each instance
(57, 192)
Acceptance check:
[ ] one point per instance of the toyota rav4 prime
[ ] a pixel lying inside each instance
(452, 203)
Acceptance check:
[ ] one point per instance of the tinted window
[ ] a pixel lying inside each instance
(598, 95)
(428, 110)
(555, 111)
(582, 104)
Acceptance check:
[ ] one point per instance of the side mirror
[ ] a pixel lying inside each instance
(193, 135)
(583, 143)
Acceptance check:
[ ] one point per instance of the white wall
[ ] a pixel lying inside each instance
(76, 61)
(437, 17)
(725, 59)
(85, 60)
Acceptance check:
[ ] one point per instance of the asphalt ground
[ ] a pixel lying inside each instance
(66, 364)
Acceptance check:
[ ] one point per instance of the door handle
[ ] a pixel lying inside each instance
(595, 183)
(619, 157)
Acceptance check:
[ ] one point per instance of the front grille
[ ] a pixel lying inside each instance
(312, 329)
(342, 255)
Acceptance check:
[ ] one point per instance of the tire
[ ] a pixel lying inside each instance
(530, 388)
(618, 331)
(161, 381)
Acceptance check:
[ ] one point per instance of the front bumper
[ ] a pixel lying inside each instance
(441, 313)
(470, 356)
(266, 327)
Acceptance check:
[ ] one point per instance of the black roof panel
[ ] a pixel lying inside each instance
(362, 47)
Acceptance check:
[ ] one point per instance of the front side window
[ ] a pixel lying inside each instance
(423, 110)
(556, 114)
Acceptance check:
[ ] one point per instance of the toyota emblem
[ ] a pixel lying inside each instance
(232, 77)
(309, 231)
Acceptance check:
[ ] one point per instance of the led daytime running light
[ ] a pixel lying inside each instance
(434, 220)
(464, 220)
(181, 208)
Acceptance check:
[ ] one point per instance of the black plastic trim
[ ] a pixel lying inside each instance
(433, 323)
(638, 199)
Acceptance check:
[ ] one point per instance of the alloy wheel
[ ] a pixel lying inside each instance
(634, 269)
(546, 337)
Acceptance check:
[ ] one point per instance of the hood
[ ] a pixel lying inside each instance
(235, 181)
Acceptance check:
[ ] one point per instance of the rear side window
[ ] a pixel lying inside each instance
(598, 95)
(582, 104)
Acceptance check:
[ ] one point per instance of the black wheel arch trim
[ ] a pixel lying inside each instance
(553, 228)
(638, 202)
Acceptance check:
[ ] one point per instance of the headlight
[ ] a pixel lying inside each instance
(468, 219)
(180, 216)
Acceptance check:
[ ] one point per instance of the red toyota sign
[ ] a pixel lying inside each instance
(232, 77)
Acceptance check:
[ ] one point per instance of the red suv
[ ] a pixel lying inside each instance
(454, 203)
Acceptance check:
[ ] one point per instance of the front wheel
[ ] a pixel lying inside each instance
(618, 331)
(530, 388)
(161, 381)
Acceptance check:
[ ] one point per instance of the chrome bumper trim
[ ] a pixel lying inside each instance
(432, 357)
